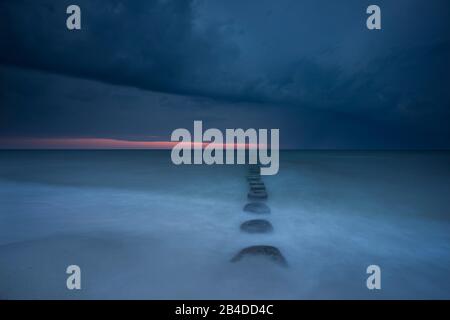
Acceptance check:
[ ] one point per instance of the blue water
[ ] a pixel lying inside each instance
(140, 227)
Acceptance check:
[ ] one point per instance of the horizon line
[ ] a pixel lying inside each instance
(119, 144)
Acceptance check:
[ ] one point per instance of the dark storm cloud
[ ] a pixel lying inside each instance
(150, 44)
(283, 52)
(313, 62)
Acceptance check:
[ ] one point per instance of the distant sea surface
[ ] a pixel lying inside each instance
(141, 227)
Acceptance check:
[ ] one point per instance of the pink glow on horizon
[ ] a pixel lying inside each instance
(102, 143)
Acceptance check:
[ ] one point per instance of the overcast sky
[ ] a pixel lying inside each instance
(140, 69)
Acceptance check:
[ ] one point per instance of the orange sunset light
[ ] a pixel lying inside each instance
(101, 143)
